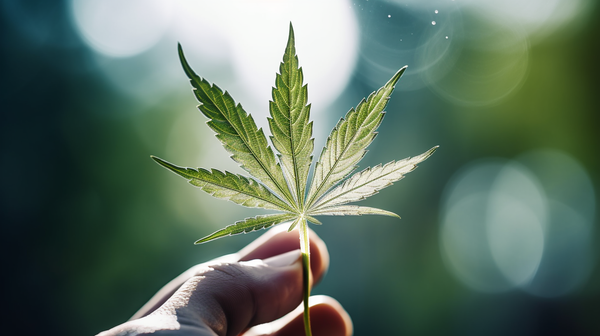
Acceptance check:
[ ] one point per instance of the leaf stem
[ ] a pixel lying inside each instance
(305, 249)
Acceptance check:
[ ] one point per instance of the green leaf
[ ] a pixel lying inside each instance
(294, 224)
(313, 220)
(348, 141)
(238, 132)
(351, 210)
(282, 185)
(289, 122)
(249, 225)
(369, 181)
(236, 188)
(308, 218)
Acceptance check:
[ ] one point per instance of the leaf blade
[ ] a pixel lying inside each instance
(347, 143)
(238, 132)
(351, 210)
(225, 185)
(289, 121)
(313, 220)
(248, 225)
(369, 181)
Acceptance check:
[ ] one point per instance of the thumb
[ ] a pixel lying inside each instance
(230, 298)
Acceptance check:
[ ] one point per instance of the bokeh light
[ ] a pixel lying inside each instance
(492, 227)
(515, 224)
(121, 28)
(246, 51)
(504, 227)
(569, 252)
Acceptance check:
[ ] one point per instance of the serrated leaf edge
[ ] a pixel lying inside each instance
(246, 226)
(184, 172)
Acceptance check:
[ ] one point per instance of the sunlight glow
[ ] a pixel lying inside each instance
(121, 28)
(236, 44)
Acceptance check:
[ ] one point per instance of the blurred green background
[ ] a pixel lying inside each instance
(498, 233)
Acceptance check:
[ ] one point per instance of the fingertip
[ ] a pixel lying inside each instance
(285, 259)
(278, 241)
(328, 318)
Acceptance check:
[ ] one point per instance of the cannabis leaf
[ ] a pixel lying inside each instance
(249, 225)
(289, 122)
(348, 141)
(281, 183)
(238, 132)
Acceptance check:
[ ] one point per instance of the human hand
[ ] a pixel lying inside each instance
(230, 295)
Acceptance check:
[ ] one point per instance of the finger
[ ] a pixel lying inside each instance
(274, 242)
(328, 318)
(230, 298)
(277, 241)
(169, 289)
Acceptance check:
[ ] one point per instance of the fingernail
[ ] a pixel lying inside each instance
(285, 259)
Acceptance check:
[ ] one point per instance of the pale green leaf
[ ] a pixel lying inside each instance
(249, 225)
(351, 210)
(369, 181)
(282, 184)
(308, 218)
(313, 220)
(348, 141)
(289, 122)
(294, 224)
(225, 185)
(238, 132)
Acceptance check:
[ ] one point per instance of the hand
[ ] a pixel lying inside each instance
(231, 294)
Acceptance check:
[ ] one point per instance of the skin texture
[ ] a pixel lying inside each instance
(260, 285)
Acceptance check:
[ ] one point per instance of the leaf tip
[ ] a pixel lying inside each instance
(430, 152)
(184, 63)
(293, 225)
(180, 51)
(392, 82)
(201, 241)
(156, 159)
(210, 237)
(291, 39)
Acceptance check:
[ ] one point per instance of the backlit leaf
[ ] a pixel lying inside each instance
(249, 225)
(225, 185)
(369, 181)
(351, 210)
(238, 132)
(282, 185)
(289, 122)
(348, 141)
